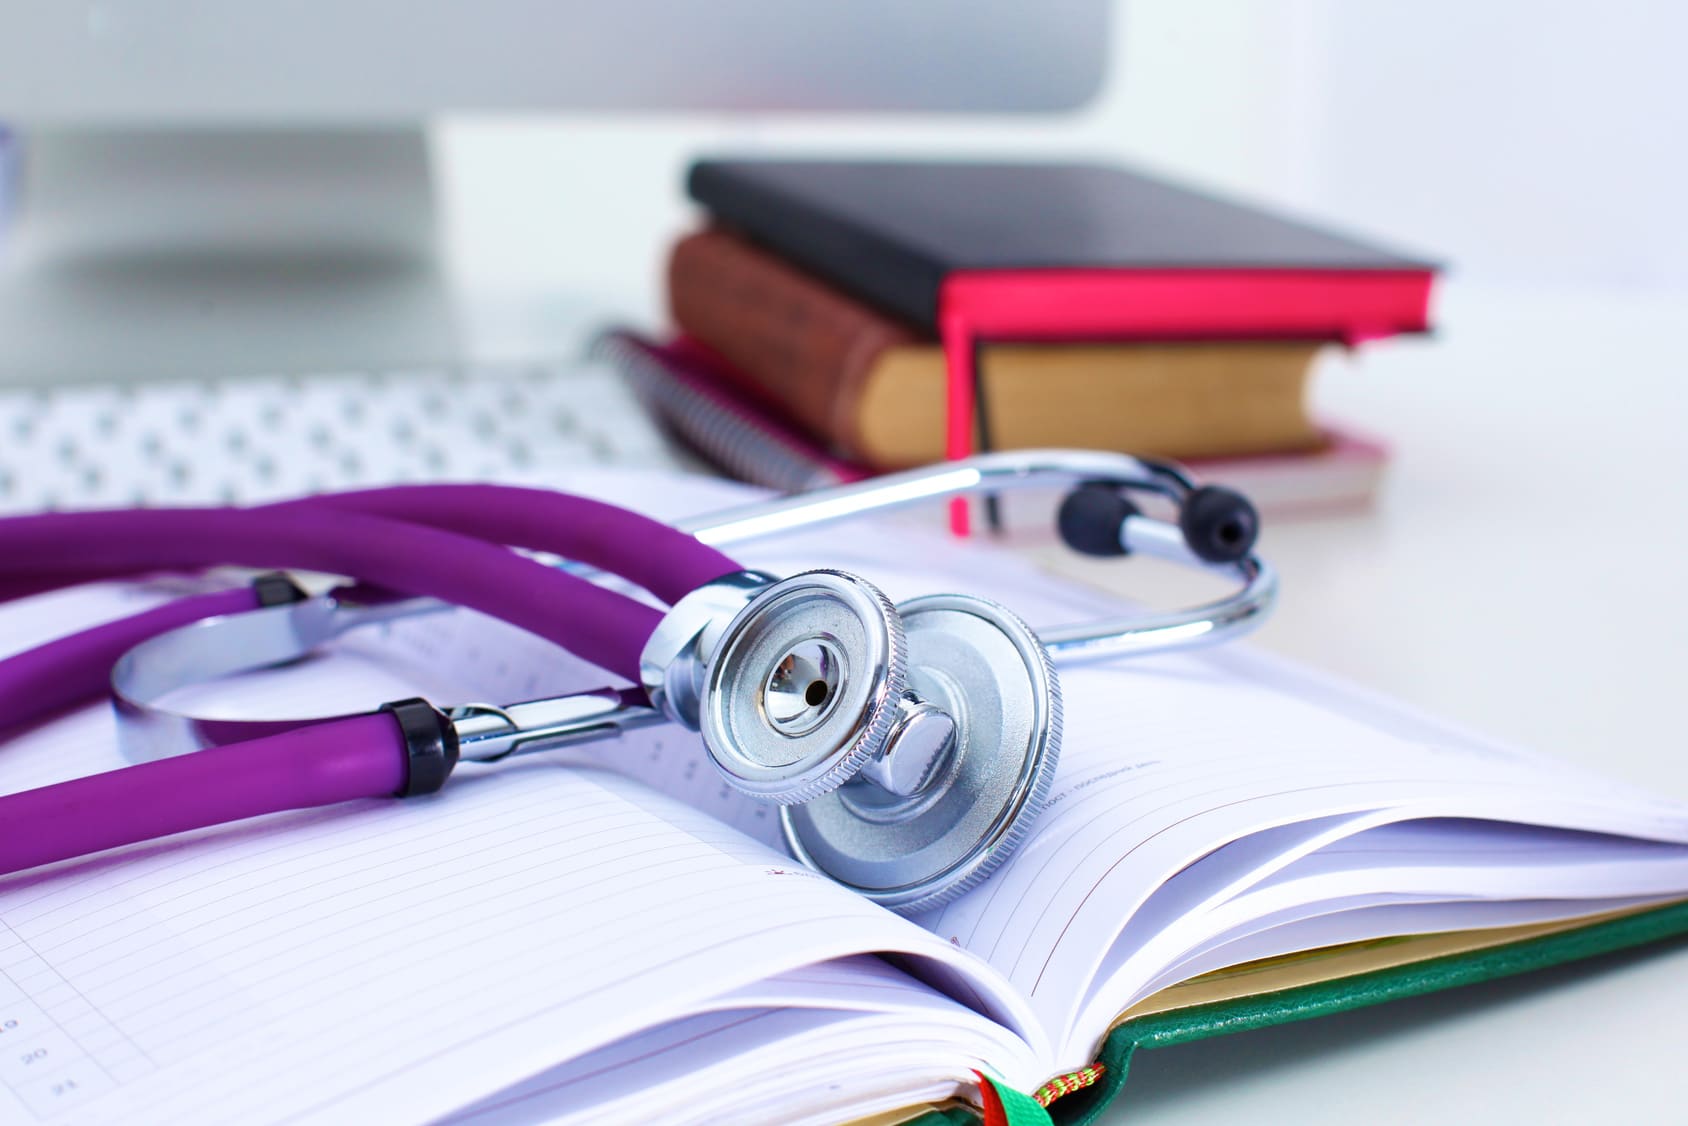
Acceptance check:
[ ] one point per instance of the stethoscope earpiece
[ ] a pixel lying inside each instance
(1091, 516)
(1219, 524)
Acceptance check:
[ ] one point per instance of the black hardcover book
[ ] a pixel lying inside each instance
(893, 233)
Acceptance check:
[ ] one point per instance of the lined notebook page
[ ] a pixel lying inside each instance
(889, 1042)
(386, 959)
(1166, 761)
(413, 957)
(736, 1067)
(406, 957)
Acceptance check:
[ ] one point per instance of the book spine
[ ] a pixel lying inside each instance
(686, 395)
(893, 278)
(787, 339)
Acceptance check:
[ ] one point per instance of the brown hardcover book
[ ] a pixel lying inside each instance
(874, 388)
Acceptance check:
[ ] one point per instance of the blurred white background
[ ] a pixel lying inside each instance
(1536, 144)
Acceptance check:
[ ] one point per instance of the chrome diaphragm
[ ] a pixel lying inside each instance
(803, 687)
(982, 668)
(910, 746)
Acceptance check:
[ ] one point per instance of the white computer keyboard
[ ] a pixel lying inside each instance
(257, 438)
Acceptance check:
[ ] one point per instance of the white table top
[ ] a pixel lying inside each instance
(1518, 576)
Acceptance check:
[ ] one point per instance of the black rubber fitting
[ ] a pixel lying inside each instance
(1090, 518)
(1219, 524)
(277, 588)
(430, 745)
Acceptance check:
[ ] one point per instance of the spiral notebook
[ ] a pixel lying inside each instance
(610, 935)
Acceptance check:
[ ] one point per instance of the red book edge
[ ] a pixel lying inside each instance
(1349, 306)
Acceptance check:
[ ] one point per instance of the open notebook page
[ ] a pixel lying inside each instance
(1361, 919)
(1168, 759)
(389, 959)
(1407, 877)
(886, 1040)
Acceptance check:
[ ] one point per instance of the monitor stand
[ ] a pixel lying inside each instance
(147, 254)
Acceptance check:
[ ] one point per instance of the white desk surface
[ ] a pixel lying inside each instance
(1521, 575)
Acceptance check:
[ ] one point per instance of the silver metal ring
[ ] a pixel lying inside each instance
(223, 646)
(803, 687)
(985, 668)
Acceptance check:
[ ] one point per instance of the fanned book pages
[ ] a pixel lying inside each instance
(610, 935)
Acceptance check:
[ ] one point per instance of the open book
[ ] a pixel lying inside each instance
(611, 935)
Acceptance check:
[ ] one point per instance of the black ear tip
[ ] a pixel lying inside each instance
(1090, 519)
(1219, 524)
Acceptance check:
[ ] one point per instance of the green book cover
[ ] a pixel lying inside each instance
(1166, 1020)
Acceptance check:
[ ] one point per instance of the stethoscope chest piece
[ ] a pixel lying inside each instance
(910, 747)
(979, 731)
(803, 687)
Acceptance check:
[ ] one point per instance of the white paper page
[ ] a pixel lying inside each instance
(1212, 758)
(1577, 887)
(406, 956)
(1336, 926)
(734, 1067)
(1360, 861)
(1466, 857)
(1164, 760)
(869, 1013)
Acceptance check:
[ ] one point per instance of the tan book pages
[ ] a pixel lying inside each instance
(1273, 975)
(1168, 400)
(789, 339)
(869, 387)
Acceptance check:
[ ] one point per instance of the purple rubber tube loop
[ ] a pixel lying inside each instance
(70, 670)
(23, 586)
(599, 625)
(664, 560)
(578, 528)
(74, 669)
(361, 757)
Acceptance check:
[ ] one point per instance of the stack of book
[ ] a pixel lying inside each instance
(826, 313)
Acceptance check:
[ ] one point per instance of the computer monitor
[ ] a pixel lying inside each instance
(208, 186)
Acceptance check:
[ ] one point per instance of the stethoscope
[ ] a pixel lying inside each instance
(909, 746)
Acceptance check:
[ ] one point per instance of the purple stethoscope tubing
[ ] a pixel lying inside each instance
(584, 530)
(76, 668)
(599, 625)
(357, 757)
(446, 541)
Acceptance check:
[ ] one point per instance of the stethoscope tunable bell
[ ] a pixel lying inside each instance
(982, 687)
(804, 687)
(909, 746)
